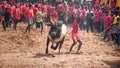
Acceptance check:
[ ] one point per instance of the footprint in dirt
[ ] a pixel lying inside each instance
(80, 53)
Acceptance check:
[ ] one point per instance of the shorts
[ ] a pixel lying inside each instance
(38, 24)
(30, 21)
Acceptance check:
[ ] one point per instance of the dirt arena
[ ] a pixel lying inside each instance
(24, 50)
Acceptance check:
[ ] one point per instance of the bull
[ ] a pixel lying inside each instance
(56, 35)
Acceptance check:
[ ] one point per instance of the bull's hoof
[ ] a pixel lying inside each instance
(46, 53)
(52, 47)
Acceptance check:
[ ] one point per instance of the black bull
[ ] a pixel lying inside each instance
(55, 37)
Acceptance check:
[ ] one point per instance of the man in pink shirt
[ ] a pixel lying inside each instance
(60, 11)
(16, 17)
(75, 35)
(82, 17)
(30, 16)
(54, 16)
(102, 21)
(60, 7)
(24, 9)
(71, 8)
(35, 9)
(1, 6)
(12, 10)
(21, 12)
(40, 6)
(112, 4)
(98, 17)
(97, 3)
(107, 25)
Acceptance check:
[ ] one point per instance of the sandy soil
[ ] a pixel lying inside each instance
(23, 50)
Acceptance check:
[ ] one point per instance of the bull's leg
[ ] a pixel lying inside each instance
(55, 47)
(61, 44)
(48, 40)
(52, 46)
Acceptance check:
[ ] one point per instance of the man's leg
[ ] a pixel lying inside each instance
(79, 46)
(74, 42)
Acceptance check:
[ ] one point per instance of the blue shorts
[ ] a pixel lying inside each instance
(30, 21)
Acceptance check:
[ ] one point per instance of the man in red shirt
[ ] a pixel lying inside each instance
(98, 18)
(75, 35)
(112, 4)
(16, 17)
(35, 9)
(40, 6)
(82, 17)
(30, 16)
(60, 11)
(96, 3)
(54, 16)
(12, 10)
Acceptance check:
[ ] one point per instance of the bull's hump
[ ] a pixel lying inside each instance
(64, 29)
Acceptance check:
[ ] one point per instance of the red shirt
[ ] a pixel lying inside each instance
(112, 19)
(54, 15)
(1, 6)
(107, 21)
(78, 12)
(96, 3)
(12, 10)
(25, 13)
(21, 9)
(98, 15)
(75, 35)
(30, 13)
(8, 7)
(33, 6)
(112, 4)
(14, 1)
(49, 7)
(71, 8)
(35, 11)
(50, 10)
(83, 13)
(102, 17)
(16, 14)
(40, 6)
(24, 9)
(95, 12)
(75, 26)
(45, 13)
(60, 8)
(45, 7)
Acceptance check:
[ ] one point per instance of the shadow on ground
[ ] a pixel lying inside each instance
(39, 55)
(113, 64)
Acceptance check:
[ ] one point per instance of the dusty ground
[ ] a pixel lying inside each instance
(20, 50)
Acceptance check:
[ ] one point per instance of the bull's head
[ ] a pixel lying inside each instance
(55, 30)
